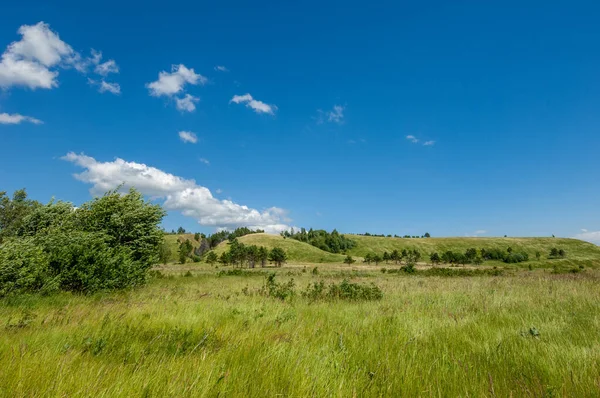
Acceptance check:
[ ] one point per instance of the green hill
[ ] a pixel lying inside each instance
(298, 252)
(578, 252)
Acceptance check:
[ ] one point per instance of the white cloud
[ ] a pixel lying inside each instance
(218, 190)
(110, 87)
(186, 104)
(169, 84)
(107, 67)
(257, 106)
(27, 62)
(336, 115)
(15, 118)
(429, 143)
(583, 230)
(589, 236)
(33, 60)
(104, 86)
(207, 162)
(480, 232)
(221, 68)
(412, 139)
(180, 194)
(188, 136)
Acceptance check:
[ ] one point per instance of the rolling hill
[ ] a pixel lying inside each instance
(578, 252)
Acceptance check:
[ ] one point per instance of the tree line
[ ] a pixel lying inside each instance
(109, 242)
(425, 235)
(240, 255)
(332, 242)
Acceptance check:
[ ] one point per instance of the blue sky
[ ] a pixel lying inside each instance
(312, 114)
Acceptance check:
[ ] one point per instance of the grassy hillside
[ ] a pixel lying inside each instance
(578, 252)
(298, 252)
(173, 243)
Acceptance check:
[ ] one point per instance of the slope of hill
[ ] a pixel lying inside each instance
(578, 252)
(297, 251)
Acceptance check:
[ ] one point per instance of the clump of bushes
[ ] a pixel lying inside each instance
(281, 291)
(110, 242)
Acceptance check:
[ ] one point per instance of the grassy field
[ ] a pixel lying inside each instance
(526, 333)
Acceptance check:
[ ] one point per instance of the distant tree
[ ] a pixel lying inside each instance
(277, 256)
(263, 255)
(510, 250)
(386, 257)
(404, 254)
(427, 235)
(562, 253)
(225, 258)
(554, 252)
(435, 258)
(181, 230)
(164, 253)
(470, 254)
(211, 258)
(185, 249)
(368, 258)
(376, 259)
(197, 237)
(538, 255)
(395, 256)
(349, 260)
(478, 260)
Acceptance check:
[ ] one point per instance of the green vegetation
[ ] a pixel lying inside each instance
(332, 242)
(518, 334)
(108, 243)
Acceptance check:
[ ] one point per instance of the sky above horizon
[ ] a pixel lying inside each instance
(470, 119)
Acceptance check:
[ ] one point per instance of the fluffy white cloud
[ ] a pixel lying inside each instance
(412, 139)
(15, 118)
(169, 84)
(186, 104)
(188, 136)
(179, 194)
(256, 105)
(33, 61)
(429, 143)
(589, 236)
(221, 68)
(27, 62)
(336, 115)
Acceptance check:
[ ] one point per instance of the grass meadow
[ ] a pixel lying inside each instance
(194, 332)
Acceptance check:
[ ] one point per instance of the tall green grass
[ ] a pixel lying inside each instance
(526, 334)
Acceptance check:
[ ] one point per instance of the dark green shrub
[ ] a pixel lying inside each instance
(281, 291)
(342, 291)
(23, 267)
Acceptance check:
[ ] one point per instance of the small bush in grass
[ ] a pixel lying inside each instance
(281, 291)
(315, 271)
(342, 291)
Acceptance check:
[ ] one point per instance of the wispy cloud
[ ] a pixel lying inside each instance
(589, 236)
(221, 68)
(188, 136)
(412, 139)
(205, 161)
(336, 115)
(256, 105)
(16, 118)
(429, 143)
